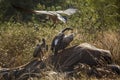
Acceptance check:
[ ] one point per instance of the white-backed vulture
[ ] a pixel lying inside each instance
(55, 16)
(61, 41)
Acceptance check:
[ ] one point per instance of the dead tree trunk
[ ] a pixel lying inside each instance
(32, 69)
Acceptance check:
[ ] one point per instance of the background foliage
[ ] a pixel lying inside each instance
(96, 14)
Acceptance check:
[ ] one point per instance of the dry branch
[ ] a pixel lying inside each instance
(32, 69)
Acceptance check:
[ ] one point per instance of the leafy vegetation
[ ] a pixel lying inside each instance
(96, 22)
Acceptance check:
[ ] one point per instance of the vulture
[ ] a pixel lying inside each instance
(55, 16)
(61, 41)
(39, 49)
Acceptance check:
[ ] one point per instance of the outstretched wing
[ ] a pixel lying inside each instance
(33, 11)
(69, 11)
(22, 9)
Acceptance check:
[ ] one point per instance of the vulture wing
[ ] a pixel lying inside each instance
(69, 11)
(33, 11)
(22, 9)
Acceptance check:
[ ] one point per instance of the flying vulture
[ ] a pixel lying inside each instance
(55, 16)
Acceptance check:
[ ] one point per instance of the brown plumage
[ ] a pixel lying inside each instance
(39, 49)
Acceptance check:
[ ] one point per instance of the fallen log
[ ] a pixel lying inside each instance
(31, 69)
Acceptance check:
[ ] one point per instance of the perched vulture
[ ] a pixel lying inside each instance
(53, 15)
(39, 49)
(61, 41)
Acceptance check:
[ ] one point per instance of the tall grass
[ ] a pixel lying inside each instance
(17, 43)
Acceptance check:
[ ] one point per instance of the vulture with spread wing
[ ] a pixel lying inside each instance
(55, 16)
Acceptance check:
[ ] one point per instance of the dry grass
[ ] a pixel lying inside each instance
(17, 45)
